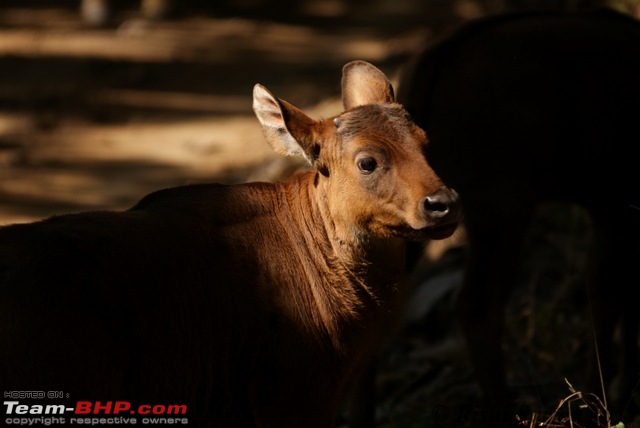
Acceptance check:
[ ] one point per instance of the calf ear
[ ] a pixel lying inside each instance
(362, 83)
(285, 127)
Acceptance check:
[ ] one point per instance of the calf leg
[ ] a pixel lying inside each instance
(362, 411)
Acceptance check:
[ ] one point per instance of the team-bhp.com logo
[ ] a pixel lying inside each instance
(96, 413)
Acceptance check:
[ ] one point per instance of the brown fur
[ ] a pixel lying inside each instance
(524, 109)
(257, 304)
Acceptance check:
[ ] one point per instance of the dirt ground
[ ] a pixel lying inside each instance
(95, 118)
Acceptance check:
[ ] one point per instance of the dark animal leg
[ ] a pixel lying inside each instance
(616, 243)
(489, 281)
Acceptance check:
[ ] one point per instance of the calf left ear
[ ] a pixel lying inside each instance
(285, 127)
(362, 84)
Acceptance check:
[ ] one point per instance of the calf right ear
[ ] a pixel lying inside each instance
(363, 83)
(285, 127)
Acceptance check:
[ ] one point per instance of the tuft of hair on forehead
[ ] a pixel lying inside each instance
(386, 118)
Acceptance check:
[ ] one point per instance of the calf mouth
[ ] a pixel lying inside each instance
(440, 232)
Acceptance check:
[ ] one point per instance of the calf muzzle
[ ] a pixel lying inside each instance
(442, 204)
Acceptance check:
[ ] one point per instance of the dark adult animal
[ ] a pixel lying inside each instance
(523, 109)
(255, 305)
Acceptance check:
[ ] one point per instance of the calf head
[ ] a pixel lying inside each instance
(371, 169)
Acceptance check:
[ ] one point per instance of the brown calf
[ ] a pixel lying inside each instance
(525, 109)
(255, 305)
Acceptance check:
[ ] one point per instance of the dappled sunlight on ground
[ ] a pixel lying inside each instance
(94, 118)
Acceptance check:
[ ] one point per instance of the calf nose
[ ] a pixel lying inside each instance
(440, 204)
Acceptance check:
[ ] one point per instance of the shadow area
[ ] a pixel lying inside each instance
(141, 103)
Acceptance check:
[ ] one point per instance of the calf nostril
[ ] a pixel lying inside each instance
(436, 205)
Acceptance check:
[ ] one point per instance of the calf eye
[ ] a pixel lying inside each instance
(367, 165)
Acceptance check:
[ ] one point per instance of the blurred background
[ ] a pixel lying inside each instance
(104, 101)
